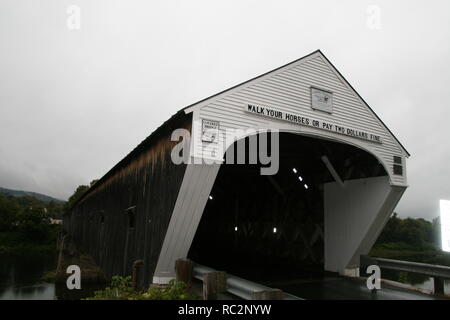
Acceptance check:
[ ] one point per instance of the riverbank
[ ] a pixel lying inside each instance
(71, 254)
(426, 253)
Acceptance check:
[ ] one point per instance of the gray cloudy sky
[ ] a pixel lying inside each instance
(74, 102)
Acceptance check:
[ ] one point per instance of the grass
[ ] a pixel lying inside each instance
(49, 277)
(425, 253)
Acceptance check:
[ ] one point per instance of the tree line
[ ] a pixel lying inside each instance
(411, 232)
(31, 218)
(28, 217)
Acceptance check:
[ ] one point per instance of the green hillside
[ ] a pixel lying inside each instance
(21, 193)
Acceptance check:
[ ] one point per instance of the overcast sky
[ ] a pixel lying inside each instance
(73, 102)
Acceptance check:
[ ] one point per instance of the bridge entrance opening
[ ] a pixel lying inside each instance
(268, 228)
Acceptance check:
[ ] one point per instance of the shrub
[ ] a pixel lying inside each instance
(121, 289)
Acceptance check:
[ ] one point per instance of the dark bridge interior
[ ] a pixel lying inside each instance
(269, 228)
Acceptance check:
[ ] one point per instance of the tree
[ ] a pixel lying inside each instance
(436, 227)
(419, 232)
(9, 209)
(75, 196)
(390, 231)
(412, 231)
(55, 209)
(34, 223)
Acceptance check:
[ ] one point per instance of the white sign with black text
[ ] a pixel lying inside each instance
(310, 122)
(210, 130)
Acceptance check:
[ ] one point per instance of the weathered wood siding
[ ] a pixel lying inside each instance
(147, 180)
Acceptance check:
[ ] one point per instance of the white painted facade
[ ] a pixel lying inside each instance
(288, 89)
(354, 216)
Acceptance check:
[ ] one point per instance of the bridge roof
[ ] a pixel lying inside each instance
(293, 62)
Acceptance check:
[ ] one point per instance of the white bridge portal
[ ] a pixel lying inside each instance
(355, 166)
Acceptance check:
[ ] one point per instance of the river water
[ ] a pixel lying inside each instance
(415, 280)
(20, 279)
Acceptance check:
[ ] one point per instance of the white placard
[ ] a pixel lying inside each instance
(210, 130)
(306, 121)
(321, 100)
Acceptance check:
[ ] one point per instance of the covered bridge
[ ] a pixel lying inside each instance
(331, 177)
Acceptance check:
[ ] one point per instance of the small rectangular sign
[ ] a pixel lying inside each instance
(321, 100)
(210, 130)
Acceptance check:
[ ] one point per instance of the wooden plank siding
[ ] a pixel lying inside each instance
(148, 181)
(287, 89)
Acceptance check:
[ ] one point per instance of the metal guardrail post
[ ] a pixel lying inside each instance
(438, 285)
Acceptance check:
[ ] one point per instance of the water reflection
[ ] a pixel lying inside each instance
(20, 279)
(416, 280)
(43, 291)
(87, 290)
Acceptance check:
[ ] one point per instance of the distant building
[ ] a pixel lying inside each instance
(56, 221)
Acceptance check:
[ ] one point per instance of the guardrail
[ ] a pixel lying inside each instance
(215, 282)
(437, 272)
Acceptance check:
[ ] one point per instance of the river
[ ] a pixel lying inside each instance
(20, 279)
(415, 280)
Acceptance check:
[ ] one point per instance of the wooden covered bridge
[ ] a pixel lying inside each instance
(331, 177)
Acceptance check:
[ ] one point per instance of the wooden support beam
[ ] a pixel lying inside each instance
(350, 167)
(213, 283)
(135, 276)
(60, 246)
(276, 185)
(308, 249)
(184, 271)
(318, 234)
(333, 172)
(438, 285)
